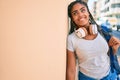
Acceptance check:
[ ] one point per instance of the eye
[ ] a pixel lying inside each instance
(83, 10)
(75, 13)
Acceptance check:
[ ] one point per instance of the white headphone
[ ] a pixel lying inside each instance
(82, 32)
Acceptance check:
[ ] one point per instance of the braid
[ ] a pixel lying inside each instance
(72, 27)
(93, 21)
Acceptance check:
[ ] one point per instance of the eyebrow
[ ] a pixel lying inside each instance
(76, 10)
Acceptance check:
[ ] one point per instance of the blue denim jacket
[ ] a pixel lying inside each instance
(113, 58)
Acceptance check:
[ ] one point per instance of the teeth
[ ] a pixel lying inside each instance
(81, 19)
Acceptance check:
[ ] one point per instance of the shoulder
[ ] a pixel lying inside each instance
(71, 36)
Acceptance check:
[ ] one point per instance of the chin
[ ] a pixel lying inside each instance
(83, 25)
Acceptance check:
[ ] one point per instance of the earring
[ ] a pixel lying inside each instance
(90, 21)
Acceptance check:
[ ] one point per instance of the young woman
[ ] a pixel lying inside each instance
(86, 43)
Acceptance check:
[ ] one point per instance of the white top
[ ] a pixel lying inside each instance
(92, 55)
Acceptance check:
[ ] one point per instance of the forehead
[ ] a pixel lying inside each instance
(77, 6)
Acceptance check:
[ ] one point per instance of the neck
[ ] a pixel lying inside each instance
(87, 26)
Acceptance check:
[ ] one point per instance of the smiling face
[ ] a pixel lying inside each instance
(80, 15)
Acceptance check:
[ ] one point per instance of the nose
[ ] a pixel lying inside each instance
(80, 14)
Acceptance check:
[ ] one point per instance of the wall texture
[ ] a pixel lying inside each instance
(33, 39)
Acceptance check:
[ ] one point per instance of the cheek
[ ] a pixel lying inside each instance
(76, 21)
(75, 18)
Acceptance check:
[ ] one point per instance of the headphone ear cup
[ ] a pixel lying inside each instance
(81, 32)
(93, 29)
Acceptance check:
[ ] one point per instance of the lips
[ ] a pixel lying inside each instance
(81, 19)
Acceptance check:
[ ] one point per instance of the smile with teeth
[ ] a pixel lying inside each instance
(81, 19)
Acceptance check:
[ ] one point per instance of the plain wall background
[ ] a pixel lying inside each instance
(33, 39)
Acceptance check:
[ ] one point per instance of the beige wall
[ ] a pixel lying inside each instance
(33, 39)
